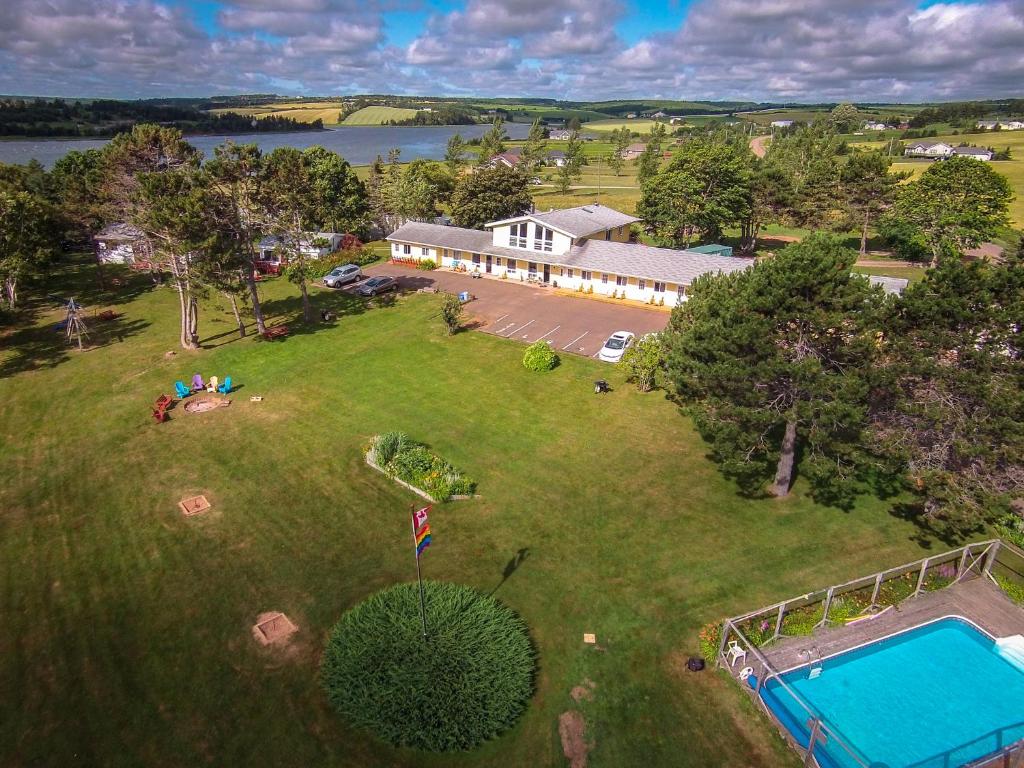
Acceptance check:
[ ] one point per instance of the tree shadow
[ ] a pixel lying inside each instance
(511, 567)
(45, 346)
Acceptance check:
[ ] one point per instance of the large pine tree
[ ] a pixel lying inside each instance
(771, 362)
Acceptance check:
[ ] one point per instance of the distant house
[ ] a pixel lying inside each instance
(509, 159)
(874, 126)
(560, 135)
(781, 123)
(933, 149)
(313, 245)
(121, 243)
(1003, 125)
(978, 153)
(633, 151)
(556, 157)
(658, 115)
(631, 116)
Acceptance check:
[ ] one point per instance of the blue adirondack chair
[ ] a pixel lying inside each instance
(182, 390)
(226, 386)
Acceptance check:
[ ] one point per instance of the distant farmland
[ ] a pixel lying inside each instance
(303, 111)
(378, 115)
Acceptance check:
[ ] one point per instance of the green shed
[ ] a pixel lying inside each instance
(713, 249)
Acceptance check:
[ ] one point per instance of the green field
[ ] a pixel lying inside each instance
(378, 115)
(127, 634)
(640, 125)
(303, 111)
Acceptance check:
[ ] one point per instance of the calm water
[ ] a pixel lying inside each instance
(359, 145)
(934, 697)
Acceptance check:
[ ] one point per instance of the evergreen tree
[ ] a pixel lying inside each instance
(770, 197)
(572, 168)
(455, 153)
(772, 364)
(649, 162)
(867, 189)
(532, 156)
(620, 141)
(948, 406)
(493, 142)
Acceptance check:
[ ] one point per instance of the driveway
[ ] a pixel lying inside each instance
(528, 313)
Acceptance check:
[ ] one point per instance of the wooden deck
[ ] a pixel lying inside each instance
(978, 600)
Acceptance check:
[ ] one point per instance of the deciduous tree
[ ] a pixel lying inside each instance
(493, 142)
(649, 162)
(956, 204)
(572, 168)
(489, 194)
(703, 189)
(28, 240)
(868, 190)
(532, 156)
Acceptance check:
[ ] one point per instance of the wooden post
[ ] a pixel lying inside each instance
(874, 594)
(721, 643)
(920, 578)
(963, 562)
(778, 622)
(990, 558)
(828, 604)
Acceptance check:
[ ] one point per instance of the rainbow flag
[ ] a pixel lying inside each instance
(421, 528)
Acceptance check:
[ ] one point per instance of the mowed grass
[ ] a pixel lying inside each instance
(378, 115)
(127, 626)
(639, 125)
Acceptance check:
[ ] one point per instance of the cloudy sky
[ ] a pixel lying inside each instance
(792, 50)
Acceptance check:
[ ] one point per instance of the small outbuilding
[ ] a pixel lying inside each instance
(121, 243)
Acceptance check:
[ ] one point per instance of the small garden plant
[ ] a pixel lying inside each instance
(468, 681)
(451, 313)
(402, 457)
(540, 356)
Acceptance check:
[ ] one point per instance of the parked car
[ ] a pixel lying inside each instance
(376, 285)
(616, 346)
(342, 275)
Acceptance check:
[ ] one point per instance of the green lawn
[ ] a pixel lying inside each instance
(378, 115)
(127, 626)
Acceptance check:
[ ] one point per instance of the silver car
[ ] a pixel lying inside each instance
(342, 275)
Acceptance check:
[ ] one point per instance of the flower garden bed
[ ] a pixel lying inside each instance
(414, 466)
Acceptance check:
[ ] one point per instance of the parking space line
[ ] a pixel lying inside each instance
(517, 330)
(574, 340)
(501, 331)
(548, 333)
(500, 319)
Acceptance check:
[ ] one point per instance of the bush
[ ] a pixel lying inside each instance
(642, 362)
(469, 681)
(1013, 590)
(802, 621)
(451, 312)
(426, 265)
(540, 356)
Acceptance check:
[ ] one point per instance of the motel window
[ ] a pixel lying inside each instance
(424, 251)
(659, 287)
(531, 269)
(607, 234)
(622, 229)
(681, 291)
(406, 249)
(586, 275)
(604, 279)
(568, 273)
(620, 280)
(511, 265)
(456, 255)
(446, 254)
(394, 246)
(542, 238)
(642, 284)
(476, 258)
(517, 235)
(498, 261)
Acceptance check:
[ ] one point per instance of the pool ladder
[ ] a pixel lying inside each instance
(814, 660)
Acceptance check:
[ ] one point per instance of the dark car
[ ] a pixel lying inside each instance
(376, 285)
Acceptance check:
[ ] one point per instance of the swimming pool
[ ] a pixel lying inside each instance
(936, 696)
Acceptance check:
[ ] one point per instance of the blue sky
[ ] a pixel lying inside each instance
(763, 50)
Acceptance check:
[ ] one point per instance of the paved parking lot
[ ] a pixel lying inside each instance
(529, 313)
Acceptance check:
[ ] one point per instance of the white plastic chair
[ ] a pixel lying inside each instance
(745, 673)
(734, 652)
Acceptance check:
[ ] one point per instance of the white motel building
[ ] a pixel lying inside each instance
(586, 247)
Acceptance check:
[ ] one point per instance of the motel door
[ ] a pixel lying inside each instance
(547, 273)
(488, 267)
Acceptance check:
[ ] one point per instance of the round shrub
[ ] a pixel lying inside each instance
(540, 357)
(467, 682)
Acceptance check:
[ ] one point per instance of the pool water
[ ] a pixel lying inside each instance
(937, 696)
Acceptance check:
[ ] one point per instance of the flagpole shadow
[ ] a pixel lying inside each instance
(511, 567)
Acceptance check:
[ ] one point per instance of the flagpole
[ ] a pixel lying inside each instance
(419, 577)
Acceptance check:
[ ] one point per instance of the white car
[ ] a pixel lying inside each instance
(616, 346)
(340, 276)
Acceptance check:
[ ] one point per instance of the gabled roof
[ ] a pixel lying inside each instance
(576, 222)
(441, 236)
(893, 285)
(971, 151)
(662, 264)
